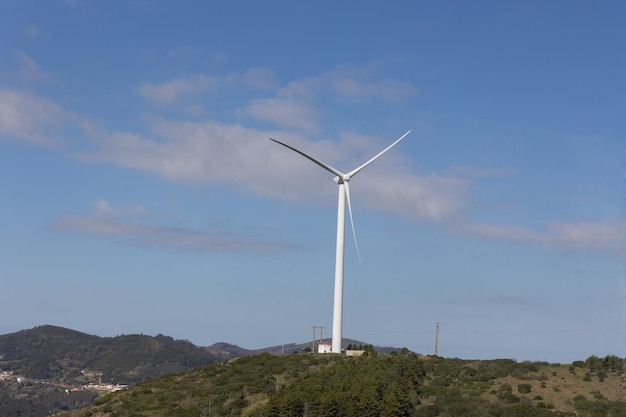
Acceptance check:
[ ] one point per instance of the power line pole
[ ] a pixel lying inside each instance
(436, 338)
(313, 341)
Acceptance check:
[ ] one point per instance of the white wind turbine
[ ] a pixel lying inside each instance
(343, 181)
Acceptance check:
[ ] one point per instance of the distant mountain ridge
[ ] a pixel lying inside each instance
(52, 352)
(56, 343)
(39, 365)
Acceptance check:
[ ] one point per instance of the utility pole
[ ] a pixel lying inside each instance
(313, 341)
(436, 338)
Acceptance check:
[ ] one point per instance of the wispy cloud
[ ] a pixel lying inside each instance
(123, 225)
(169, 92)
(432, 197)
(294, 105)
(386, 90)
(29, 68)
(585, 235)
(212, 153)
(286, 113)
(29, 117)
(352, 83)
(589, 236)
(102, 208)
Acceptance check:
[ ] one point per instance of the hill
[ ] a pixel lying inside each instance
(39, 364)
(50, 352)
(376, 385)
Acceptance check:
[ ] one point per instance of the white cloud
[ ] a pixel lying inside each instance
(499, 232)
(212, 153)
(105, 221)
(28, 117)
(102, 208)
(285, 113)
(585, 235)
(102, 226)
(121, 225)
(354, 84)
(596, 236)
(433, 197)
(386, 90)
(202, 153)
(293, 106)
(171, 91)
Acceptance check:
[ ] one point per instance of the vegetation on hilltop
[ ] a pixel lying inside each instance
(376, 385)
(233, 388)
(50, 360)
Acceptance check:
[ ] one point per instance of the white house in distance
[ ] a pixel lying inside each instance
(324, 347)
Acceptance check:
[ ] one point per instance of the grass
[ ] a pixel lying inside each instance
(556, 385)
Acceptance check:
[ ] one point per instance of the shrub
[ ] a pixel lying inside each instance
(597, 395)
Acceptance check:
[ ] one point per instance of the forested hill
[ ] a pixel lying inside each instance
(63, 355)
(398, 385)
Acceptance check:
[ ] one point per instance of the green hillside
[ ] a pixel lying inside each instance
(63, 355)
(40, 364)
(376, 385)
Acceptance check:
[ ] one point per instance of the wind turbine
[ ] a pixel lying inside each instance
(343, 180)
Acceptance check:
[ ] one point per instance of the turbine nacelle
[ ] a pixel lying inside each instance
(338, 180)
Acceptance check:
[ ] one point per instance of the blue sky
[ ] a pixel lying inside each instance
(140, 193)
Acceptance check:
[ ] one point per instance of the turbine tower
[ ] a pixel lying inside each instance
(343, 180)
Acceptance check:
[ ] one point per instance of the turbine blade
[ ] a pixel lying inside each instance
(346, 184)
(320, 163)
(355, 171)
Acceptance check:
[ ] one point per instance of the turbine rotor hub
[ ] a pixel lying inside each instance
(341, 180)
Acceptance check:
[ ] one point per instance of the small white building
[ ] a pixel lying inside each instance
(324, 347)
